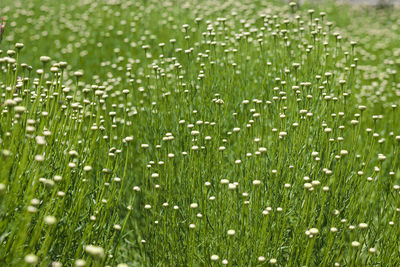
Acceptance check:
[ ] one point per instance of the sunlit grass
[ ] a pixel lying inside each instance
(238, 133)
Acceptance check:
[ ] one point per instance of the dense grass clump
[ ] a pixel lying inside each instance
(243, 133)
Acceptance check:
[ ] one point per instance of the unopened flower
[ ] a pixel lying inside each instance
(363, 225)
(50, 220)
(94, 251)
(232, 186)
(231, 232)
(313, 231)
(80, 263)
(56, 264)
(45, 59)
(31, 259)
(214, 257)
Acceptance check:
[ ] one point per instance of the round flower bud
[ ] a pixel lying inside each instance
(31, 259)
(313, 231)
(78, 74)
(45, 59)
(214, 257)
(50, 220)
(94, 251)
(80, 263)
(363, 225)
(231, 232)
(19, 46)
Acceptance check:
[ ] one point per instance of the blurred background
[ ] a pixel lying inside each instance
(367, 2)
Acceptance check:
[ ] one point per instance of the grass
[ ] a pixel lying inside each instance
(201, 133)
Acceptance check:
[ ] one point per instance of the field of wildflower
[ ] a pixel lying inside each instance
(199, 133)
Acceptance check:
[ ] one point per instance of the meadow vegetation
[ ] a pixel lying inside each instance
(199, 133)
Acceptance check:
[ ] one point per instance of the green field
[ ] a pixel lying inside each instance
(199, 133)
